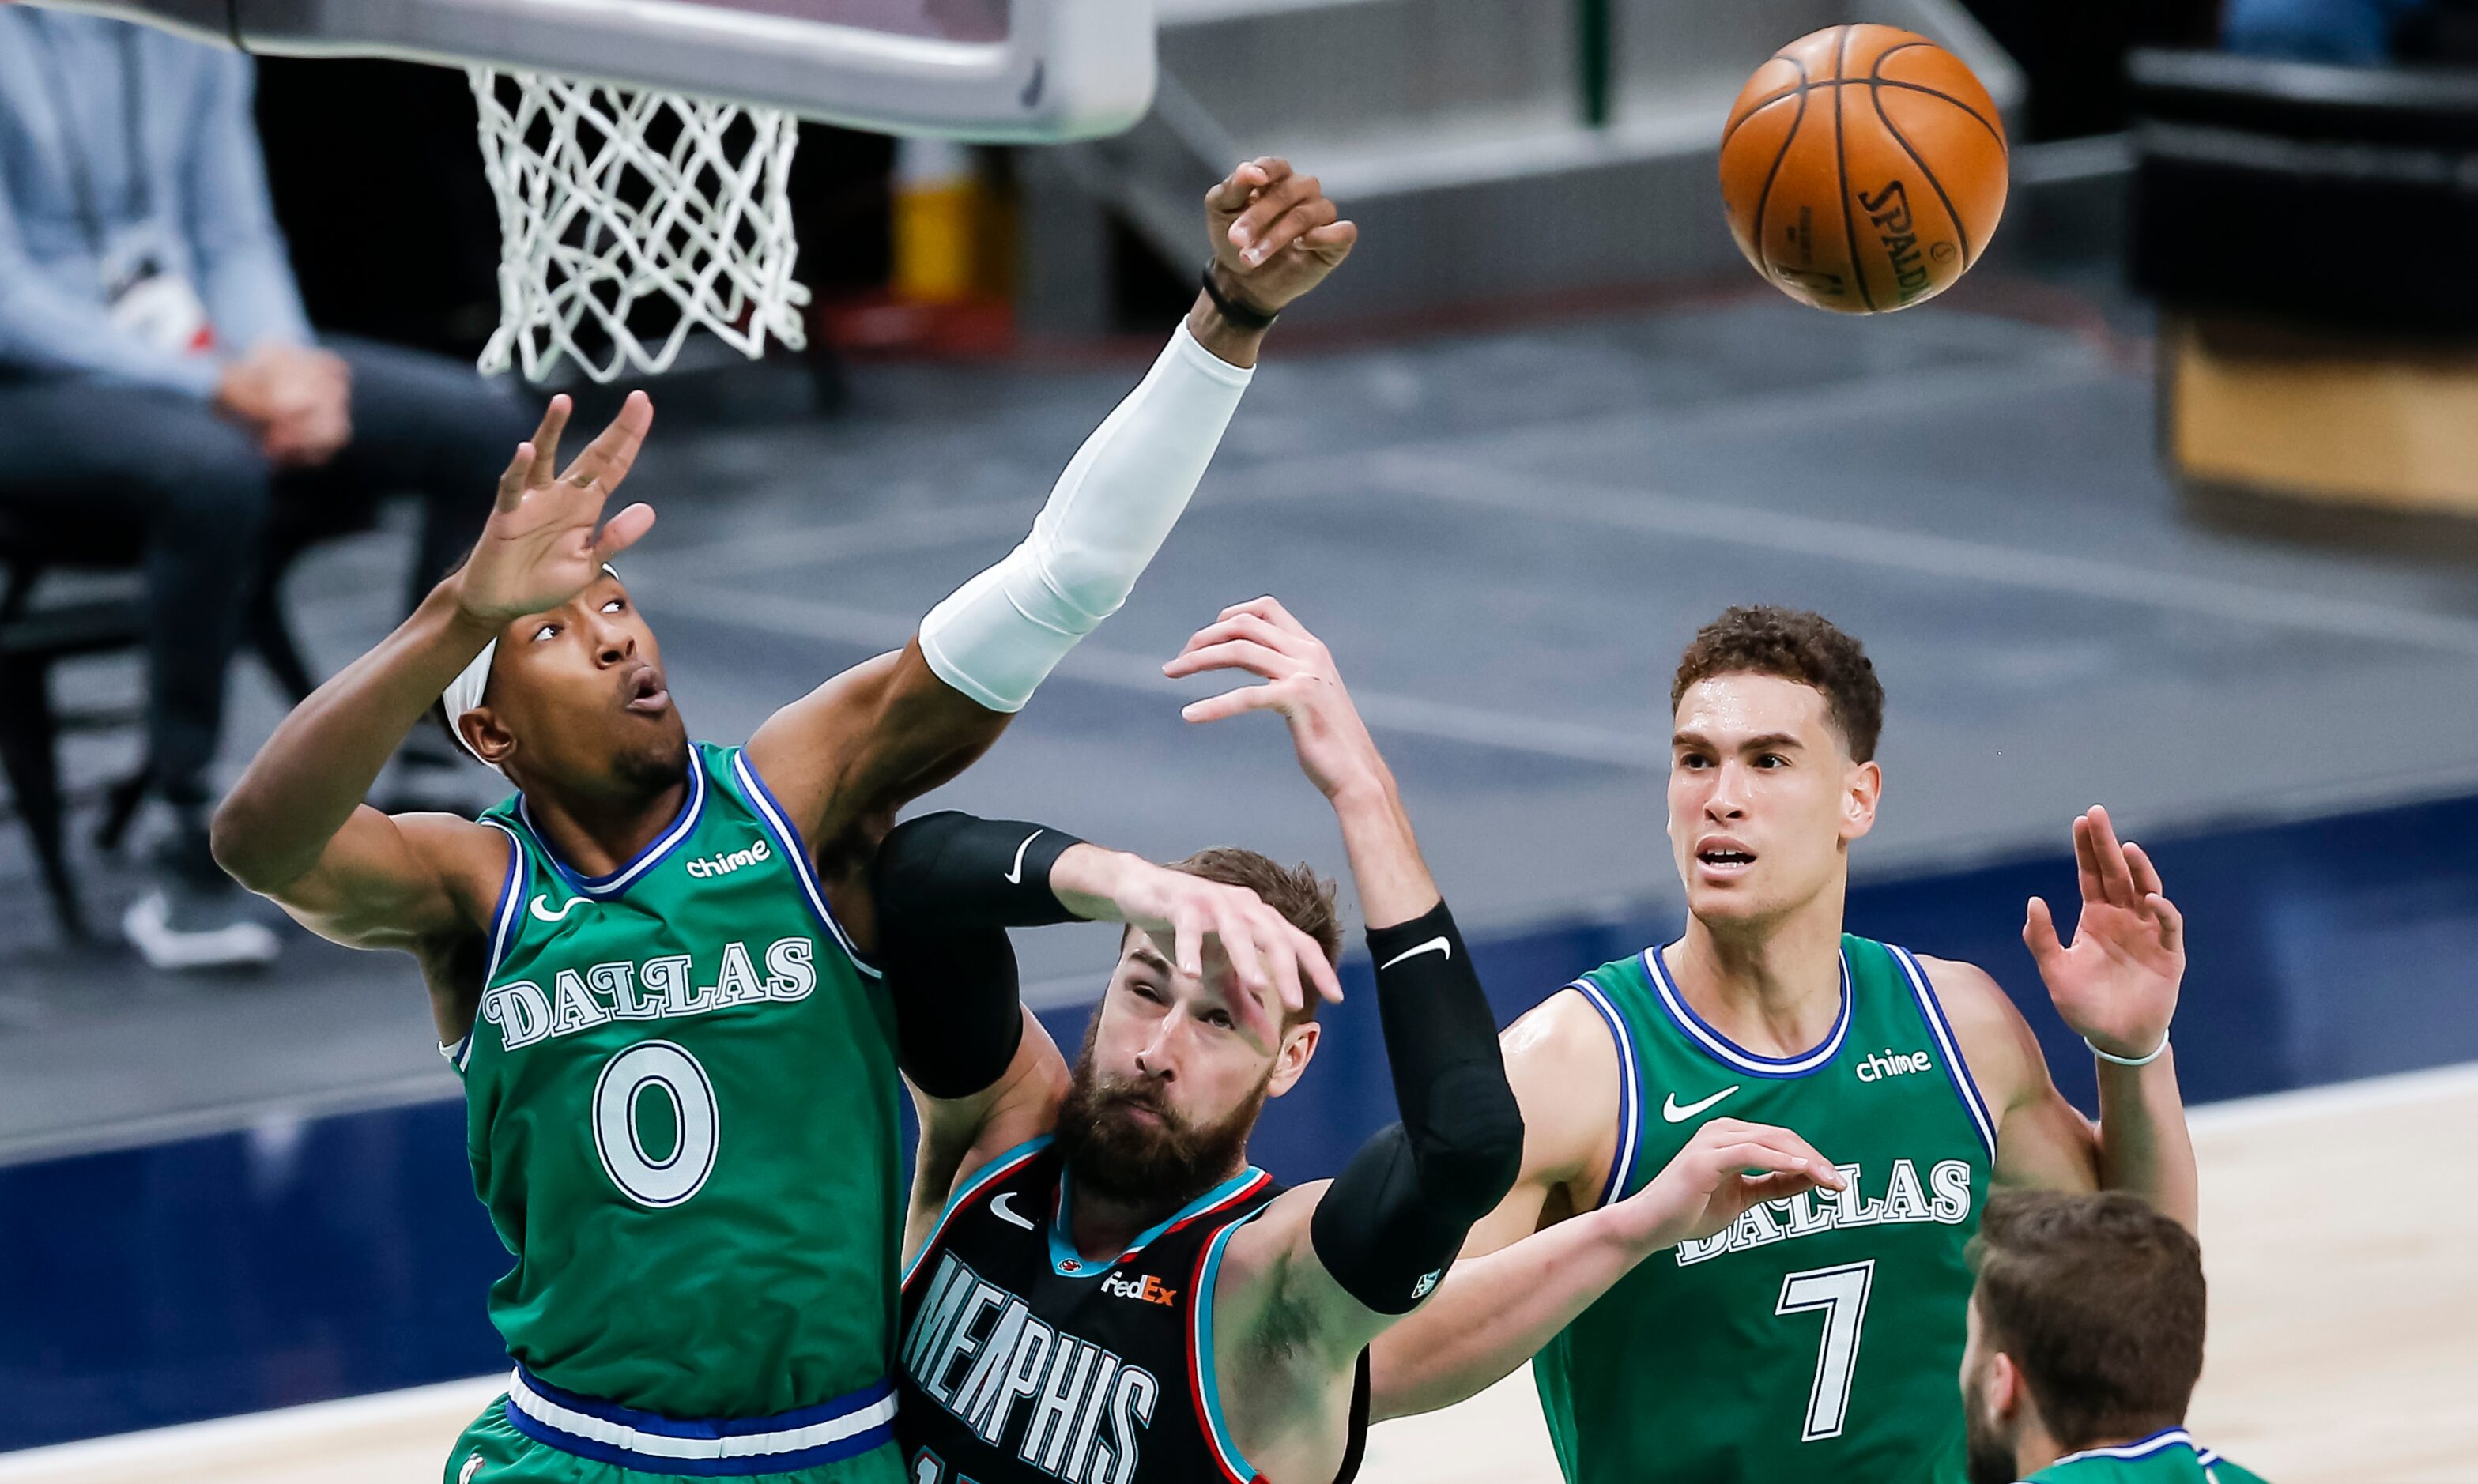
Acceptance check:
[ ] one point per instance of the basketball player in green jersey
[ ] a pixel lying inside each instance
(679, 1068)
(1817, 1331)
(2085, 1342)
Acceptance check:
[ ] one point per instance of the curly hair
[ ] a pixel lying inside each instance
(1793, 644)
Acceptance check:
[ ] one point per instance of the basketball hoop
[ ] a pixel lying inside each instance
(612, 200)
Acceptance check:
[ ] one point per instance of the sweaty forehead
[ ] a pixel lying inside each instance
(1720, 707)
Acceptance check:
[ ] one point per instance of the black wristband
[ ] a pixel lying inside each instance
(952, 872)
(1245, 316)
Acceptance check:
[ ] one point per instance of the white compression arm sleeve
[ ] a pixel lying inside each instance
(996, 636)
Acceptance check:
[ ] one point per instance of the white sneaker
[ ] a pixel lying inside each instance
(148, 926)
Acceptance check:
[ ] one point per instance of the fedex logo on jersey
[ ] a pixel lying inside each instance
(1120, 1285)
(723, 862)
(1804, 1215)
(651, 990)
(978, 1352)
(1880, 1064)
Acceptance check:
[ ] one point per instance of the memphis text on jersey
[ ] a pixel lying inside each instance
(977, 1350)
(651, 990)
(1944, 1200)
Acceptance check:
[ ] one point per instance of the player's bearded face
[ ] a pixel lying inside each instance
(583, 688)
(1128, 1140)
(1758, 797)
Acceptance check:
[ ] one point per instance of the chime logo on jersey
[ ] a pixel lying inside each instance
(724, 862)
(652, 990)
(975, 1349)
(1809, 1212)
(1880, 1064)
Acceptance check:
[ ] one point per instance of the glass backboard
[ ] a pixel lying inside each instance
(1000, 71)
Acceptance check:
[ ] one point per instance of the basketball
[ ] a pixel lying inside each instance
(1863, 170)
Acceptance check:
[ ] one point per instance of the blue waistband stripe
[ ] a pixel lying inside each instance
(649, 1443)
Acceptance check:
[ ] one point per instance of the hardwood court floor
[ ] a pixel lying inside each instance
(2344, 1295)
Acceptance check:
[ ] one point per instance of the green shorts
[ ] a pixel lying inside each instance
(493, 1451)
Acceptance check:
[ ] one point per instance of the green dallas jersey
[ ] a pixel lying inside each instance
(2168, 1456)
(1817, 1337)
(681, 1095)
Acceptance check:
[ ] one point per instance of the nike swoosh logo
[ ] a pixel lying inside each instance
(1436, 944)
(999, 1204)
(1670, 1110)
(542, 902)
(1015, 872)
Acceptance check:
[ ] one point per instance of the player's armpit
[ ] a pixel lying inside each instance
(2042, 1141)
(842, 759)
(405, 881)
(1287, 1337)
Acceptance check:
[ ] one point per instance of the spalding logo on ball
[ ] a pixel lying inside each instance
(1863, 168)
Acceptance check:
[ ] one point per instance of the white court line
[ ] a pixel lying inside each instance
(1121, 669)
(2392, 1090)
(1237, 478)
(423, 1087)
(1928, 555)
(173, 1445)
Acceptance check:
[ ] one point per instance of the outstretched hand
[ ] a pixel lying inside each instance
(1273, 234)
(1261, 638)
(1708, 1185)
(547, 540)
(1273, 962)
(2116, 986)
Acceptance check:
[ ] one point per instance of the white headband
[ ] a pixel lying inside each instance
(464, 694)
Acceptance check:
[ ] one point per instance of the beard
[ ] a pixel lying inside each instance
(654, 767)
(1140, 1163)
(1986, 1458)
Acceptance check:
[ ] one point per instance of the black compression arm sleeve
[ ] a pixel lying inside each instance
(1390, 1224)
(950, 870)
(958, 1018)
(947, 887)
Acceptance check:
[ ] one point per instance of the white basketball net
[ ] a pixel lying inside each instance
(610, 198)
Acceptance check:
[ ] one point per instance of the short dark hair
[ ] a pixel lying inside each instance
(2099, 1301)
(1295, 891)
(1798, 645)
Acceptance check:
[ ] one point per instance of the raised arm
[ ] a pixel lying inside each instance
(2115, 987)
(844, 757)
(295, 829)
(1307, 1285)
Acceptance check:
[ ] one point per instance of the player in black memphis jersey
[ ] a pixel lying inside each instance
(1099, 1288)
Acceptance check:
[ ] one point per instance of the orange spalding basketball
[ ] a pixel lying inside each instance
(1863, 170)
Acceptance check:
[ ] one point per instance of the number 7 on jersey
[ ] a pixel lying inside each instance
(1841, 1293)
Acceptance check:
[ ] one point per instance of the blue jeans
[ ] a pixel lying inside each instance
(196, 497)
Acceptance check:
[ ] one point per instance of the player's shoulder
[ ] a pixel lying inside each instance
(1996, 1041)
(472, 856)
(1566, 1033)
(1562, 1060)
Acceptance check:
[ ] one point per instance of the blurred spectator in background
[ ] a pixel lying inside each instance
(158, 376)
(2351, 32)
